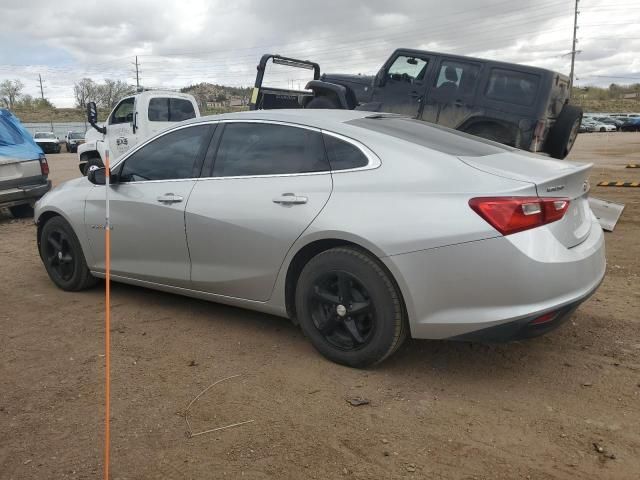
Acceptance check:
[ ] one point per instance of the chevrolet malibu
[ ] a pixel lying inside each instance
(362, 228)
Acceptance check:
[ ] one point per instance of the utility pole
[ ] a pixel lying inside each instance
(573, 49)
(137, 74)
(42, 96)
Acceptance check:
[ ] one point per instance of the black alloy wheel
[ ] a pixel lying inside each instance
(342, 311)
(349, 307)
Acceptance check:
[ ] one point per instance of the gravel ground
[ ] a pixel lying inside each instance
(566, 405)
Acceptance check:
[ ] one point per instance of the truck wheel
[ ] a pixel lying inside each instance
(564, 132)
(21, 211)
(93, 161)
(322, 102)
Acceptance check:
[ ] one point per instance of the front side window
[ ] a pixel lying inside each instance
(248, 149)
(457, 77)
(170, 110)
(407, 69)
(513, 87)
(343, 155)
(123, 112)
(169, 157)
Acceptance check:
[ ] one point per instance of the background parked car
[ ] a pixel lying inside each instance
(631, 125)
(23, 167)
(610, 121)
(47, 141)
(72, 140)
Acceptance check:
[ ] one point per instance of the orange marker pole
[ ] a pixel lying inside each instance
(107, 336)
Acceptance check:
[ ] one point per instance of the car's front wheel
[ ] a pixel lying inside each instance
(350, 308)
(62, 255)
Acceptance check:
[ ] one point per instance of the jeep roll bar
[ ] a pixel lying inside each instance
(278, 60)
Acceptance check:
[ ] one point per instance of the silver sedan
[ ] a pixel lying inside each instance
(362, 228)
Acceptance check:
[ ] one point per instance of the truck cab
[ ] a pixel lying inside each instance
(133, 120)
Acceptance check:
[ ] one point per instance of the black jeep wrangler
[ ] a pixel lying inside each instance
(518, 105)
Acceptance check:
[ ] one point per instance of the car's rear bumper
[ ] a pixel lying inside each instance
(23, 194)
(495, 288)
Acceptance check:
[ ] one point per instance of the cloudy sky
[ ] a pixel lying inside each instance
(179, 43)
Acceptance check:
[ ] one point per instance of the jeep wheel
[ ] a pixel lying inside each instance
(322, 102)
(564, 132)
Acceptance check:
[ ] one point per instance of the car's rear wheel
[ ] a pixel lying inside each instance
(350, 308)
(21, 211)
(564, 132)
(62, 255)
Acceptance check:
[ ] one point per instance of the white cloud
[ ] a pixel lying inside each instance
(221, 41)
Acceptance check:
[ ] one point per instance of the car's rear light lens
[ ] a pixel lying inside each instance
(514, 214)
(44, 166)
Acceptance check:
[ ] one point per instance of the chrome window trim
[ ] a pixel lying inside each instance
(373, 160)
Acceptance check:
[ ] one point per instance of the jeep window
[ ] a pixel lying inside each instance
(457, 77)
(407, 69)
(343, 155)
(123, 112)
(169, 157)
(170, 110)
(513, 87)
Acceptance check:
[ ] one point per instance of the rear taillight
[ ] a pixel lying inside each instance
(514, 214)
(44, 166)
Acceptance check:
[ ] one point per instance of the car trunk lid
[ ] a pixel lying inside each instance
(552, 178)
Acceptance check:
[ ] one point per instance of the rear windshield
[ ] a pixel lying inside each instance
(9, 134)
(170, 110)
(431, 136)
(513, 87)
(76, 136)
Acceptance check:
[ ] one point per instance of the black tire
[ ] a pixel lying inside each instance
(21, 211)
(562, 135)
(322, 102)
(602, 129)
(369, 327)
(62, 256)
(92, 161)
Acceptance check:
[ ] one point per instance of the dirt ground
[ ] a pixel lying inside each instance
(537, 409)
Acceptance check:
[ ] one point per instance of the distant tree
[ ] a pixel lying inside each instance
(85, 91)
(42, 103)
(221, 97)
(26, 101)
(109, 93)
(10, 91)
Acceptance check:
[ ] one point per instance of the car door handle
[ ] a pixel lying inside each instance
(290, 199)
(169, 198)
(458, 103)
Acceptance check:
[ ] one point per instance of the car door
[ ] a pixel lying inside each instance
(267, 184)
(451, 100)
(402, 84)
(120, 127)
(147, 208)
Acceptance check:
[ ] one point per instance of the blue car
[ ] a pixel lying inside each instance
(23, 168)
(631, 125)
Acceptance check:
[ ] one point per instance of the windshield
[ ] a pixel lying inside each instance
(44, 135)
(436, 137)
(76, 136)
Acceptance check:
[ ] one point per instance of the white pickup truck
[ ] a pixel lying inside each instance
(133, 120)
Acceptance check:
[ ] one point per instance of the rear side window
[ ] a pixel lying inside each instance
(343, 155)
(170, 110)
(248, 149)
(513, 87)
(169, 157)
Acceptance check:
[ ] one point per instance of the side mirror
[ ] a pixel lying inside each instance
(92, 117)
(380, 78)
(96, 175)
(92, 113)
